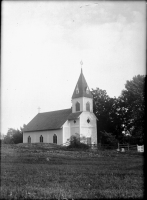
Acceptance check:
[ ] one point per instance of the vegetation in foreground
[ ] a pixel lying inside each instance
(35, 171)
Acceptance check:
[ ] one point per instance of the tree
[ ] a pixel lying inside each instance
(104, 109)
(14, 136)
(131, 105)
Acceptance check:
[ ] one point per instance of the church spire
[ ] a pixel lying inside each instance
(81, 89)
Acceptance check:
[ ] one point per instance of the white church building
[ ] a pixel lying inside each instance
(58, 126)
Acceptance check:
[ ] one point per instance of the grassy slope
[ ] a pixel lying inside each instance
(42, 171)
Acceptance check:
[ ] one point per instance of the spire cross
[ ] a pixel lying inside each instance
(39, 109)
(81, 65)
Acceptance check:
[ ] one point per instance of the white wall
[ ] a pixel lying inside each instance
(74, 127)
(82, 101)
(70, 128)
(47, 136)
(66, 131)
(88, 129)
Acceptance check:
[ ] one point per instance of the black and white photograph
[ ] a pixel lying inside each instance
(73, 79)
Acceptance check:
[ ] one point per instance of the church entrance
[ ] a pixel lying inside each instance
(89, 140)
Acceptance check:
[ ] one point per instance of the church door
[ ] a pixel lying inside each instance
(89, 140)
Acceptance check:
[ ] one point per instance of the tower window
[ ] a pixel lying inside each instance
(88, 106)
(77, 106)
(41, 138)
(55, 139)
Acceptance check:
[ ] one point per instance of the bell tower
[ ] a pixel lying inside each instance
(82, 99)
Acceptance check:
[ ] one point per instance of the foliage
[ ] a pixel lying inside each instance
(14, 136)
(104, 109)
(8, 140)
(108, 138)
(131, 105)
(122, 115)
(75, 143)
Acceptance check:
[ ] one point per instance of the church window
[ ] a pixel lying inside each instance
(41, 138)
(29, 139)
(88, 106)
(77, 106)
(88, 120)
(55, 139)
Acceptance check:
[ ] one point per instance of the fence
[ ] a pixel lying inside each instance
(119, 147)
(128, 147)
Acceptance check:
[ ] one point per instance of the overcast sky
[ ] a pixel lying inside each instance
(44, 42)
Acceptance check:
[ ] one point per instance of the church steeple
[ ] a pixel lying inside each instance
(81, 89)
(82, 99)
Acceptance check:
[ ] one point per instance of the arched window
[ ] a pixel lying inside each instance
(88, 106)
(55, 139)
(41, 138)
(29, 139)
(77, 106)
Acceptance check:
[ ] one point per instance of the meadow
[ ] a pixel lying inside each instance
(45, 171)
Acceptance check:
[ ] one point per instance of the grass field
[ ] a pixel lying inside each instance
(43, 171)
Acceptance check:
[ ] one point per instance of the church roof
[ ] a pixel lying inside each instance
(81, 86)
(74, 116)
(48, 120)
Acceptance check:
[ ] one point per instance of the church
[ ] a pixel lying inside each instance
(58, 126)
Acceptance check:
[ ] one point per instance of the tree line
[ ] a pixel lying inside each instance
(120, 119)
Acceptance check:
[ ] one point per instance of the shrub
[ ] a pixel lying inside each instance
(75, 143)
(13, 137)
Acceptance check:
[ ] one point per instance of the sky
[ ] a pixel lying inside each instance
(43, 43)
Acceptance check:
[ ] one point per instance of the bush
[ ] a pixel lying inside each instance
(13, 137)
(8, 140)
(75, 143)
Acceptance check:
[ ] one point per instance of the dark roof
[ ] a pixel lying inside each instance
(74, 116)
(82, 85)
(48, 120)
